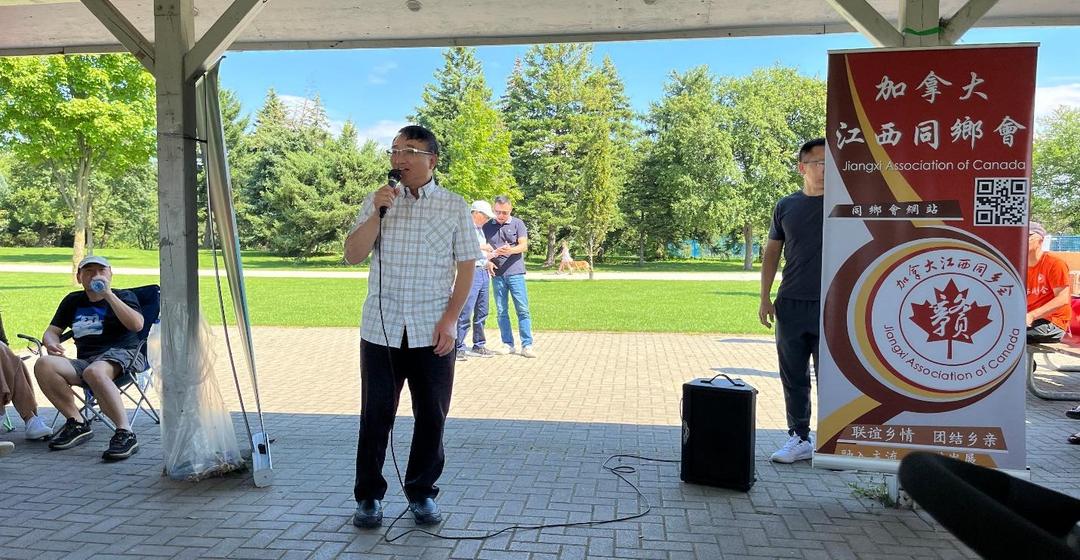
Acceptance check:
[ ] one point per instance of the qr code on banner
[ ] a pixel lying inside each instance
(1001, 201)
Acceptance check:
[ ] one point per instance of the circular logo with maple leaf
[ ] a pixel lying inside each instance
(932, 313)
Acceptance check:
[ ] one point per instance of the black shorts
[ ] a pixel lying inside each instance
(131, 362)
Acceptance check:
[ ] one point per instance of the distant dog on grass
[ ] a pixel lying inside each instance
(580, 266)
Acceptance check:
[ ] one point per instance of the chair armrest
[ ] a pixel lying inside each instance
(36, 342)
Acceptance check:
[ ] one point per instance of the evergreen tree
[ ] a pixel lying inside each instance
(542, 104)
(461, 78)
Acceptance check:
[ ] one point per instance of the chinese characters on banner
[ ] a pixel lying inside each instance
(923, 298)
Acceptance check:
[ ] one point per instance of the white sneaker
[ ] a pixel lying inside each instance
(510, 350)
(6, 447)
(527, 352)
(796, 449)
(37, 429)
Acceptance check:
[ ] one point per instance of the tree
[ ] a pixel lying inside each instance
(127, 209)
(768, 115)
(690, 173)
(76, 116)
(1056, 171)
(477, 144)
(33, 213)
(300, 186)
(607, 129)
(542, 103)
(460, 80)
(273, 137)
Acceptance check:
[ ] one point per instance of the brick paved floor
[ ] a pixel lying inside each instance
(524, 445)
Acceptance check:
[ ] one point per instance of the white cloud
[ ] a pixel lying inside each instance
(379, 74)
(1051, 97)
(382, 132)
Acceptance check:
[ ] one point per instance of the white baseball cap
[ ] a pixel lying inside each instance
(94, 259)
(483, 207)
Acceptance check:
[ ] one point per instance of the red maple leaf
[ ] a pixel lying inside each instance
(950, 317)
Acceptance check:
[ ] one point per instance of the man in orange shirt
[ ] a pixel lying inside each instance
(1047, 291)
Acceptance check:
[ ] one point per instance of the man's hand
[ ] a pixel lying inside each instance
(1030, 318)
(767, 313)
(503, 251)
(54, 349)
(445, 338)
(490, 268)
(384, 197)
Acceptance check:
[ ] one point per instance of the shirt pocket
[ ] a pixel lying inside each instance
(440, 238)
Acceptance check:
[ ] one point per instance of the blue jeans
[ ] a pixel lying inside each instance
(514, 286)
(477, 302)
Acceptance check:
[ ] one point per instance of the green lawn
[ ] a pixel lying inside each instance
(137, 258)
(27, 302)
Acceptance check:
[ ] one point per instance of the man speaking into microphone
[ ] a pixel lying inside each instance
(422, 246)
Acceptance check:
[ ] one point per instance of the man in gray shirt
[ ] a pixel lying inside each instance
(796, 230)
(510, 239)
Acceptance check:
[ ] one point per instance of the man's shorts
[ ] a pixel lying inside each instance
(131, 362)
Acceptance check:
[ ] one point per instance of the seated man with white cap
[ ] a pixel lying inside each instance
(1047, 291)
(105, 324)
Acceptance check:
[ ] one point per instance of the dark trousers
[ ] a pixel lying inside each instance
(383, 372)
(1043, 331)
(796, 342)
(475, 311)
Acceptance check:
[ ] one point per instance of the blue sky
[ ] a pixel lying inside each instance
(378, 88)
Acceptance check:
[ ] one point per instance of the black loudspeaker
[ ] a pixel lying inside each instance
(718, 432)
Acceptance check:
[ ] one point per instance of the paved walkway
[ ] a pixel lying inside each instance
(533, 275)
(524, 445)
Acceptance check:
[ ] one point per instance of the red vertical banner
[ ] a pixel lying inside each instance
(925, 245)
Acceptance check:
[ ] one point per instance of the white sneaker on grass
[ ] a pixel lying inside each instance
(796, 449)
(37, 429)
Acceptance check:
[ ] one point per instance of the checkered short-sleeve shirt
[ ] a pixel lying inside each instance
(422, 241)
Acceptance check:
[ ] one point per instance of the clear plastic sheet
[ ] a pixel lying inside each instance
(198, 439)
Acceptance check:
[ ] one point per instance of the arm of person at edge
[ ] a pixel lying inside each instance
(361, 240)
(1061, 298)
(445, 338)
(770, 262)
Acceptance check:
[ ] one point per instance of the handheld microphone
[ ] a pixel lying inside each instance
(393, 178)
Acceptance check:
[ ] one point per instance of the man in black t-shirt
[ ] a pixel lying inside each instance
(796, 230)
(105, 324)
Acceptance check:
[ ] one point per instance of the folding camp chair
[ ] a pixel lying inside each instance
(150, 303)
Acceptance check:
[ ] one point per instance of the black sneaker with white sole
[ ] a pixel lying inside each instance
(122, 445)
(73, 433)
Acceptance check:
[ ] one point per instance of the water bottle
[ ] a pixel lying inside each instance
(97, 285)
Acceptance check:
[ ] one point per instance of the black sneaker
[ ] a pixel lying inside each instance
(121, 446)
(72, 434)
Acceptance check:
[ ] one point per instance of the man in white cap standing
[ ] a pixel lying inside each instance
(105, 324)
(475, 311)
